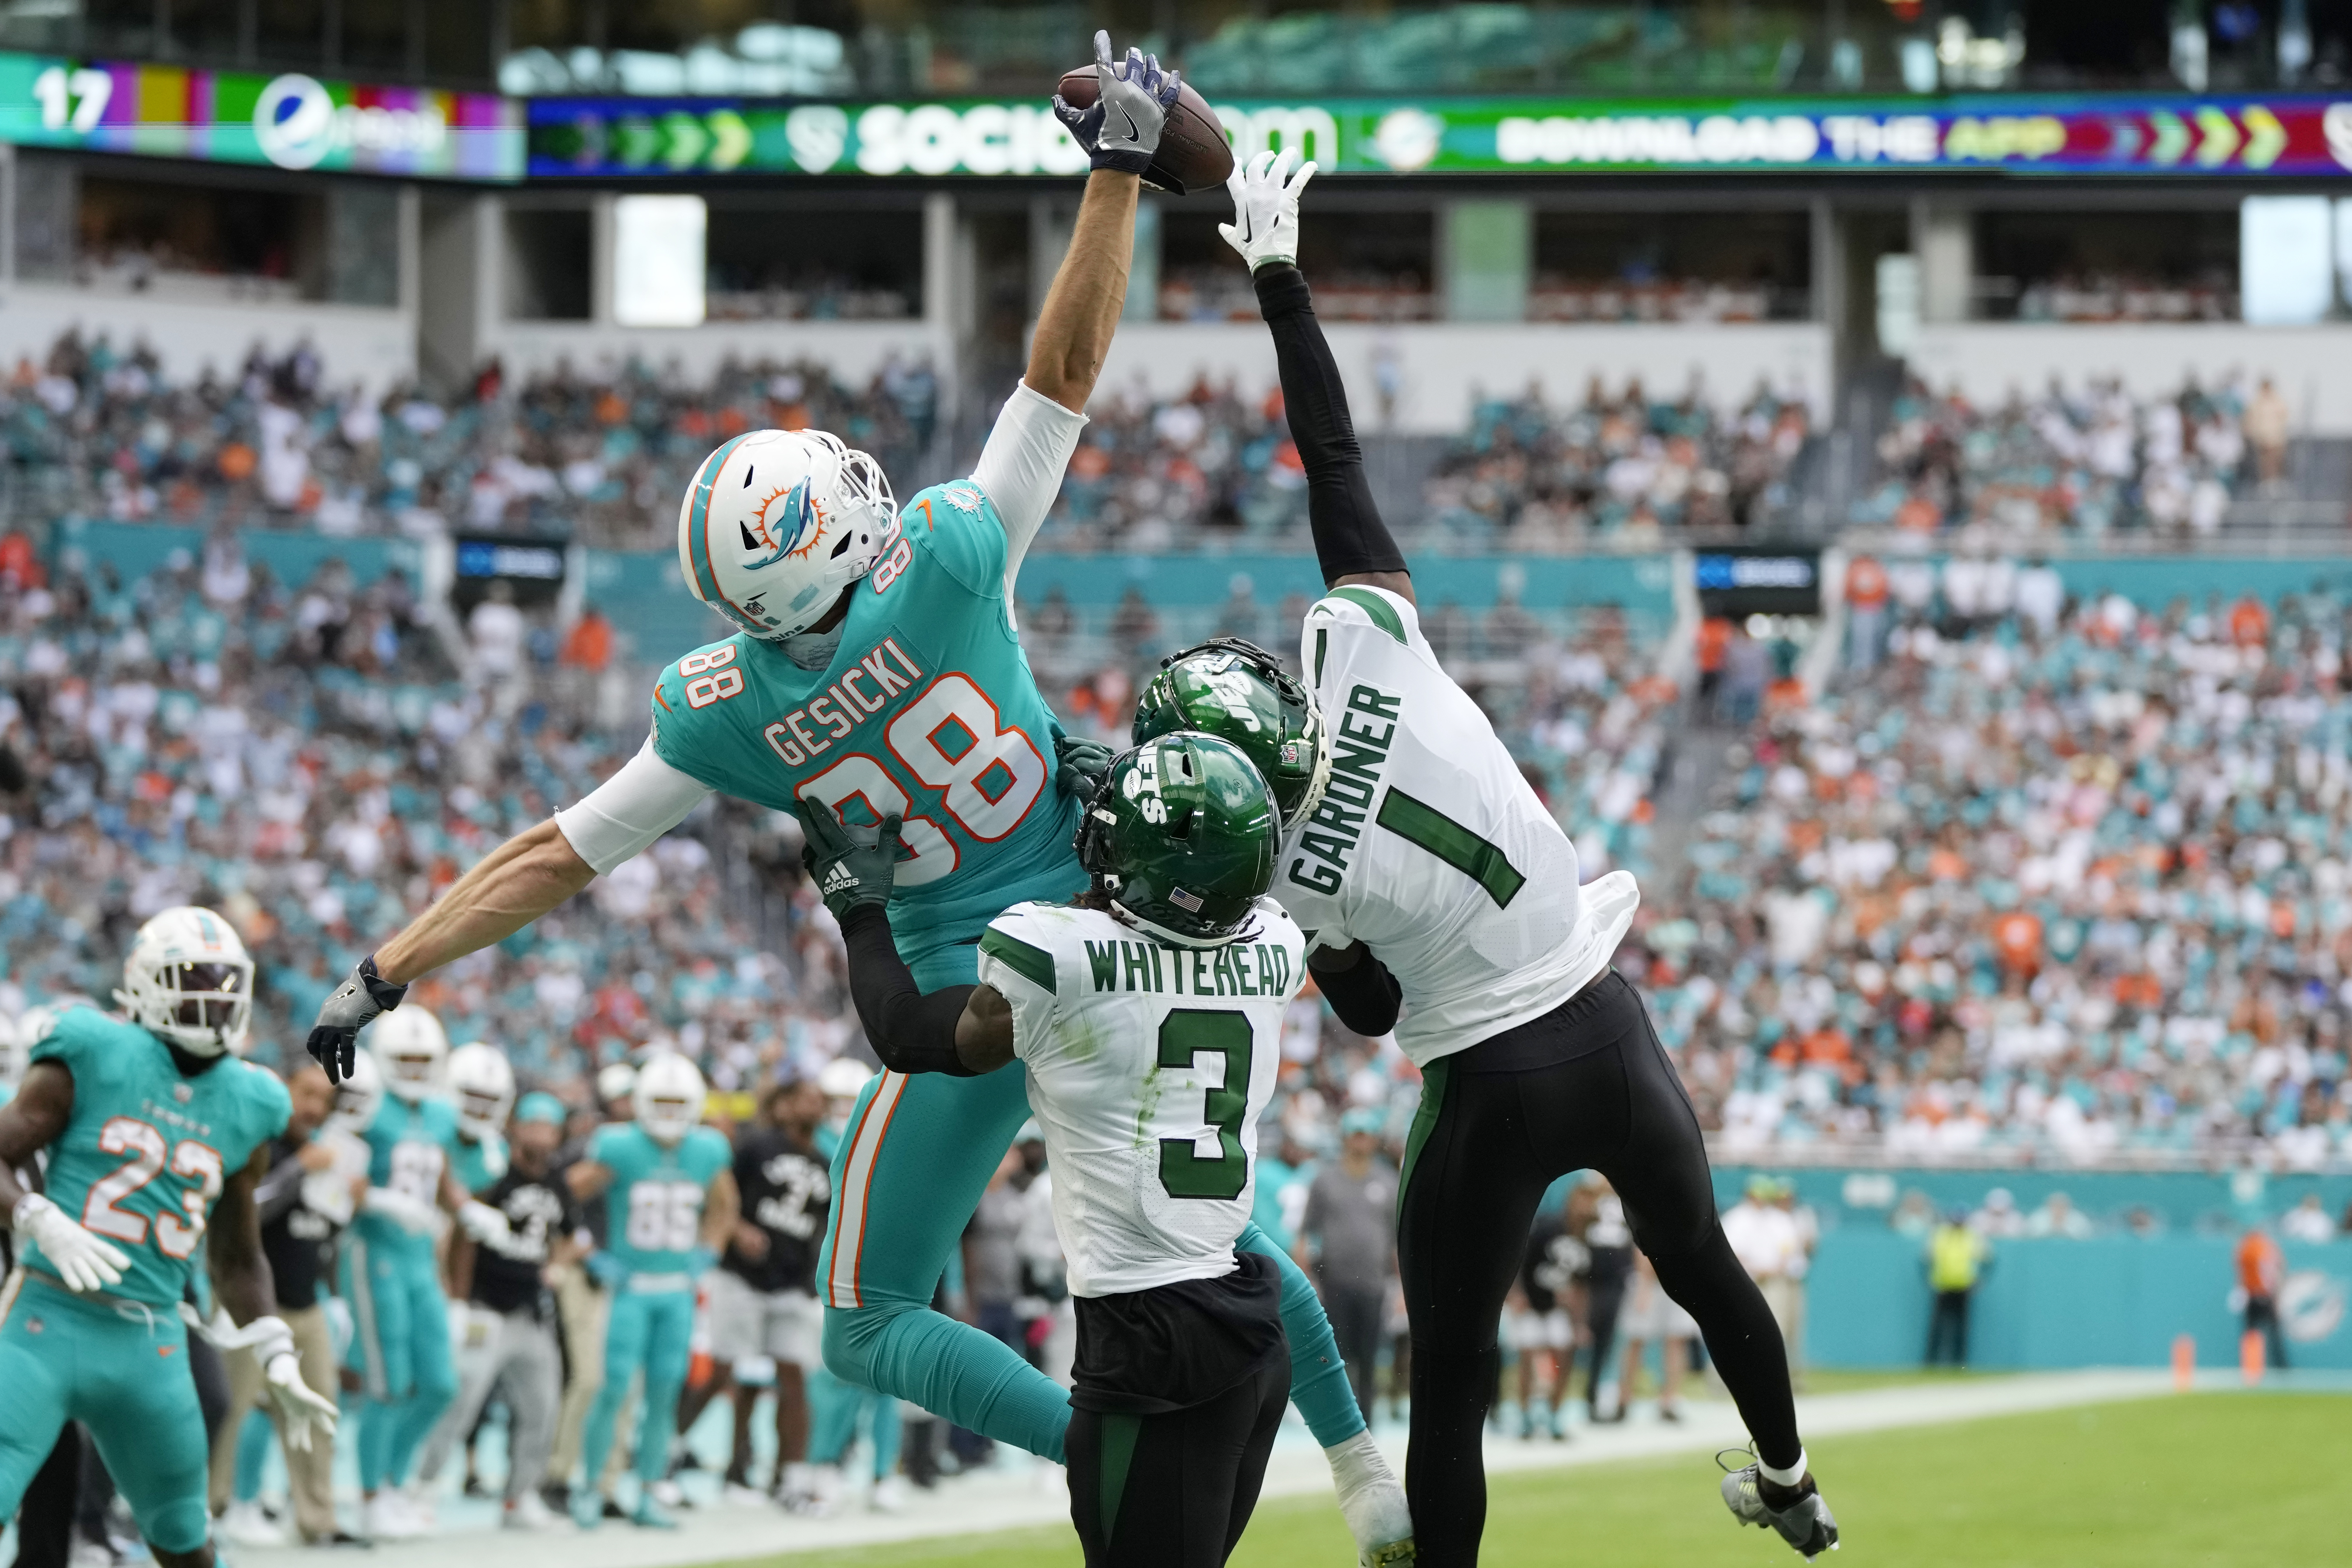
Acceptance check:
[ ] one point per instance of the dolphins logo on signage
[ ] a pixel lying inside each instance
(2311, 1306)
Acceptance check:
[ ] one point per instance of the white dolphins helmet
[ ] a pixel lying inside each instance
(411, 1048)
(777, 523)
(614, 1083)
(485, 1087)
(842, 1078)
(668, 1097)
(359, 1096)
(188, 979)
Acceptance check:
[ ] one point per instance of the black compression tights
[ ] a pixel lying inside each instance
(1486, 1145)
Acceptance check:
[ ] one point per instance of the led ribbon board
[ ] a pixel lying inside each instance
(289, 120)
(2302, 136)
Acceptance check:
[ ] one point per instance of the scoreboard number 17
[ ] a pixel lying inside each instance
(74, 101)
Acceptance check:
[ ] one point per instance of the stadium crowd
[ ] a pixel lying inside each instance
(1528, 476)
(2090, 460)
(2044, 882)
(97, 431)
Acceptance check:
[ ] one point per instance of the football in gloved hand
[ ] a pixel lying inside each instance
(1193, 153)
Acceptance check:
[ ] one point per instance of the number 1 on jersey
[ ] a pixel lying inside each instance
(1185, 1036)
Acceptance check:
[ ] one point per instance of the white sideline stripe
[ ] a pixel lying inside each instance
(856, 1184)
(1024, 1496)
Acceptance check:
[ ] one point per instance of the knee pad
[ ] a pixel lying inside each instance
(178, 1526)
(847, 1342)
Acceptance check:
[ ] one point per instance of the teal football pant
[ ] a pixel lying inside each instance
(401, 1347)
(653, 1331)
(840, 1408)
(917, 1154)
(121, 1370)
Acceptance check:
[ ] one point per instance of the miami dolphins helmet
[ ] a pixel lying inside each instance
(359, 1096)
(1239, 692)
(484, 1085)
(777, 523)
(669, 1096)
(1183, 838)
(413, 1049)
(188, 979)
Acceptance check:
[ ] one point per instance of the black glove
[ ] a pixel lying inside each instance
(848, 875)
(356, 1003)
(1079, 765)
(1120, 129)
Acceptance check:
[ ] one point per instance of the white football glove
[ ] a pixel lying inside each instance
(300, 1408)
(483, 1222)
(82, 1261)
(1265, 208)
(412, 1214)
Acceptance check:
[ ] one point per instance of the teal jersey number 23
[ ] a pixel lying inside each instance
(927, 712)
(148, 1148)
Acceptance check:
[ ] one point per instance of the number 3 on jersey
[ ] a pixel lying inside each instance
(987, 778)
(1186, 1035)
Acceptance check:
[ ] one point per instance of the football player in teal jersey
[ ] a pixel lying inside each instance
(155, 1133)
(668, 1184)
(874, 670)
(483, 1086)
(391, 1269)
(12, 1060)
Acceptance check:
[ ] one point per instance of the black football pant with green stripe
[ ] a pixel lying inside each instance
(1173, 1490)
(1586, 1087)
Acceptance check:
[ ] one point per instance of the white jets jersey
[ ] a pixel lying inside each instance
(1430, 847)
(1148, 1065)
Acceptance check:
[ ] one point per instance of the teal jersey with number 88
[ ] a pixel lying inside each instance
(927, 712)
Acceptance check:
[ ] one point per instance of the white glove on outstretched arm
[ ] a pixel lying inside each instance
(412, 1214)
(82, 1261)
(483, 1222)
(1265, 208)
(298, 1407)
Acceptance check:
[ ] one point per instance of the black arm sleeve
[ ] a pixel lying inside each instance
(1365, 995)
(911, 1031)
(1349, 536)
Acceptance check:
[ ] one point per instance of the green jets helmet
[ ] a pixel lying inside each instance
(1183, 838)
(1239, 692)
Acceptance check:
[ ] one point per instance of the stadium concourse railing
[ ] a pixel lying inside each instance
(644, 592)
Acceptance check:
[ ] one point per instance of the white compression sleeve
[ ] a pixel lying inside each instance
(621, 817)
(1020, 469)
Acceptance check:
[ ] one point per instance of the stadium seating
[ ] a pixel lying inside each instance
(2071, 890)
(2086, 460)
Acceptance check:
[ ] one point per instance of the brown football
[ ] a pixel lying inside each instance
(1193, 153)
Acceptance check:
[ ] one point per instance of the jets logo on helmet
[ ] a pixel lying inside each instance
(1183, 838)
(1239, 692)
(188, 979)
(778, 522)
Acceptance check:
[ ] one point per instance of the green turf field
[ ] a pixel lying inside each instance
(2198, 1480)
